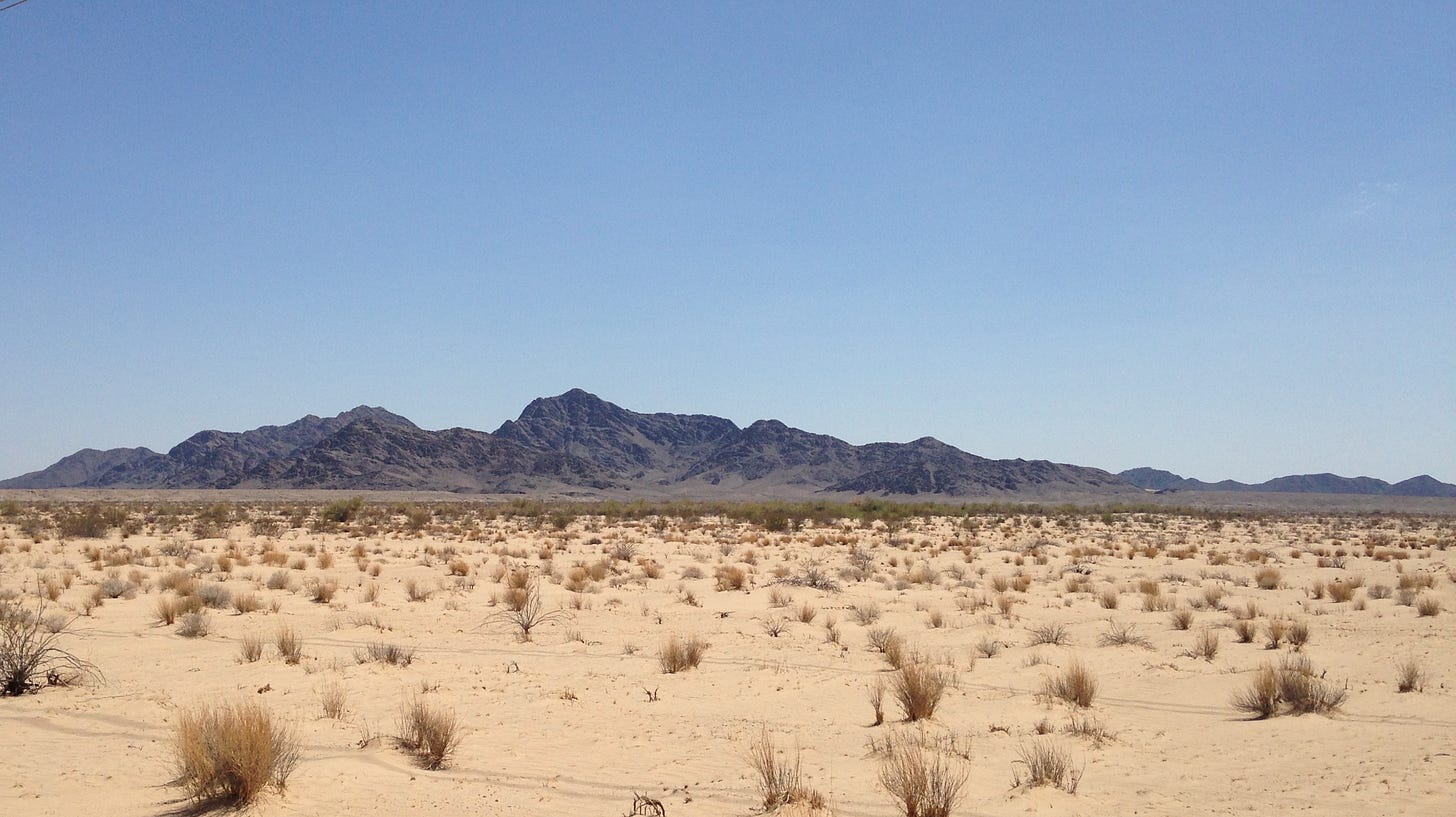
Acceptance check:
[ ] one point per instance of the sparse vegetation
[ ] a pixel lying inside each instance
(226, 755)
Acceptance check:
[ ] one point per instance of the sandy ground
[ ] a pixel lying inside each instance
(563, 723)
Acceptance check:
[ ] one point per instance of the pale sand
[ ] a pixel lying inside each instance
(561, 726)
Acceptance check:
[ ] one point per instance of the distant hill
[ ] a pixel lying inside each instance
(1153, 479)
(574, 443)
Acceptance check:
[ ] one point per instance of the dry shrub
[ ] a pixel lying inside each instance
(1340, 591)
(396, 655)
(226, 755)
(779, 781)
(1245, 630)
(525, 609)
(416, 590)
(918, 687)
(250, 648)
(1205, 645)
(1297, 634)
(165, 611)
(30, 653)
(1275, 629)
(881, 638)
(1076, 685)
(1044, 763)
(194, 625)
(988, 647)
(431, 733)
(730, 577)
(321, 590)
(923, 782)
(679, 654)
(877, 699)
(1428, 605)
(1268, 578)
(289, 644)
(1123, 635)
(215, 595)
(1410, 676)
(865, 613)
(1108, 598)
(1293, 685)
(1055, 634)
(806, 613)
(1261, 699)
(1181, 619)
(334, 698)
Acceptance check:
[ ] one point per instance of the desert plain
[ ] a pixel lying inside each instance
(1074, 661)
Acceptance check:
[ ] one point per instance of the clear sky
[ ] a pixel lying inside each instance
(1217, 238)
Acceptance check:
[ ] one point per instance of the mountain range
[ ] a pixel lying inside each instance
(1152, 479)
(577, 444)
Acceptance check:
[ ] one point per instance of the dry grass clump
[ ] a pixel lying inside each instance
(918, 687)
(779, 780)
(334, 698)
(1268, 578)
(1123, 635)
(1293, 687)
(430, 733)
(1181, 619)
(1428, 606)
(227, 755)
(1205, 645)
(679, 654)
(1245, 630)
(865, 613)
(1340, 591)
(730, 577)
(289, 644)
(1055, 634)
(1108, 598)
(250, 648)
(194, 625)
(1044, 763)
(923, 782)
(396, 655)
(1410, 676)
(1076, 685)
(245, 603)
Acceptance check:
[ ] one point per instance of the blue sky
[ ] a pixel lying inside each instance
(1213, 238)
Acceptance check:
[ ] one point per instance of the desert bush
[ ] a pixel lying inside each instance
(289, 644)
(1274, 630)
(1205, 645)
(775, 626)
(395, 655)
(194, 625)
(730, 577)
(1428, 605)
(877, 699)
(918, 687)
(279, 580)
(1292, 685)
(321, 591)
(1410, 676)
(1076, 685)
(1181, 619)
(1043, 763)
(164, 611)
(923, 782)
(1297, 634)
(31, 654)
(806, 613)
(865, 613)
(1108, 598)
(250, 648)
(1261, 699)
(1340, 591)
(1245, 630)
(1377, 591)
(227, 754)
(247, 603)
(988, 647)
(214, 595)
(1048, 634)
(525, 610)
(431, 733)
(115, 587)
(1267, 578)
(1123, 635)
(779, 597)
(881, 638)
(679, 654)
(777, 778)
(334, 698)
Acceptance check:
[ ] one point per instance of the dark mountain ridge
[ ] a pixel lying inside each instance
(574, 443)
(1153, 479)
